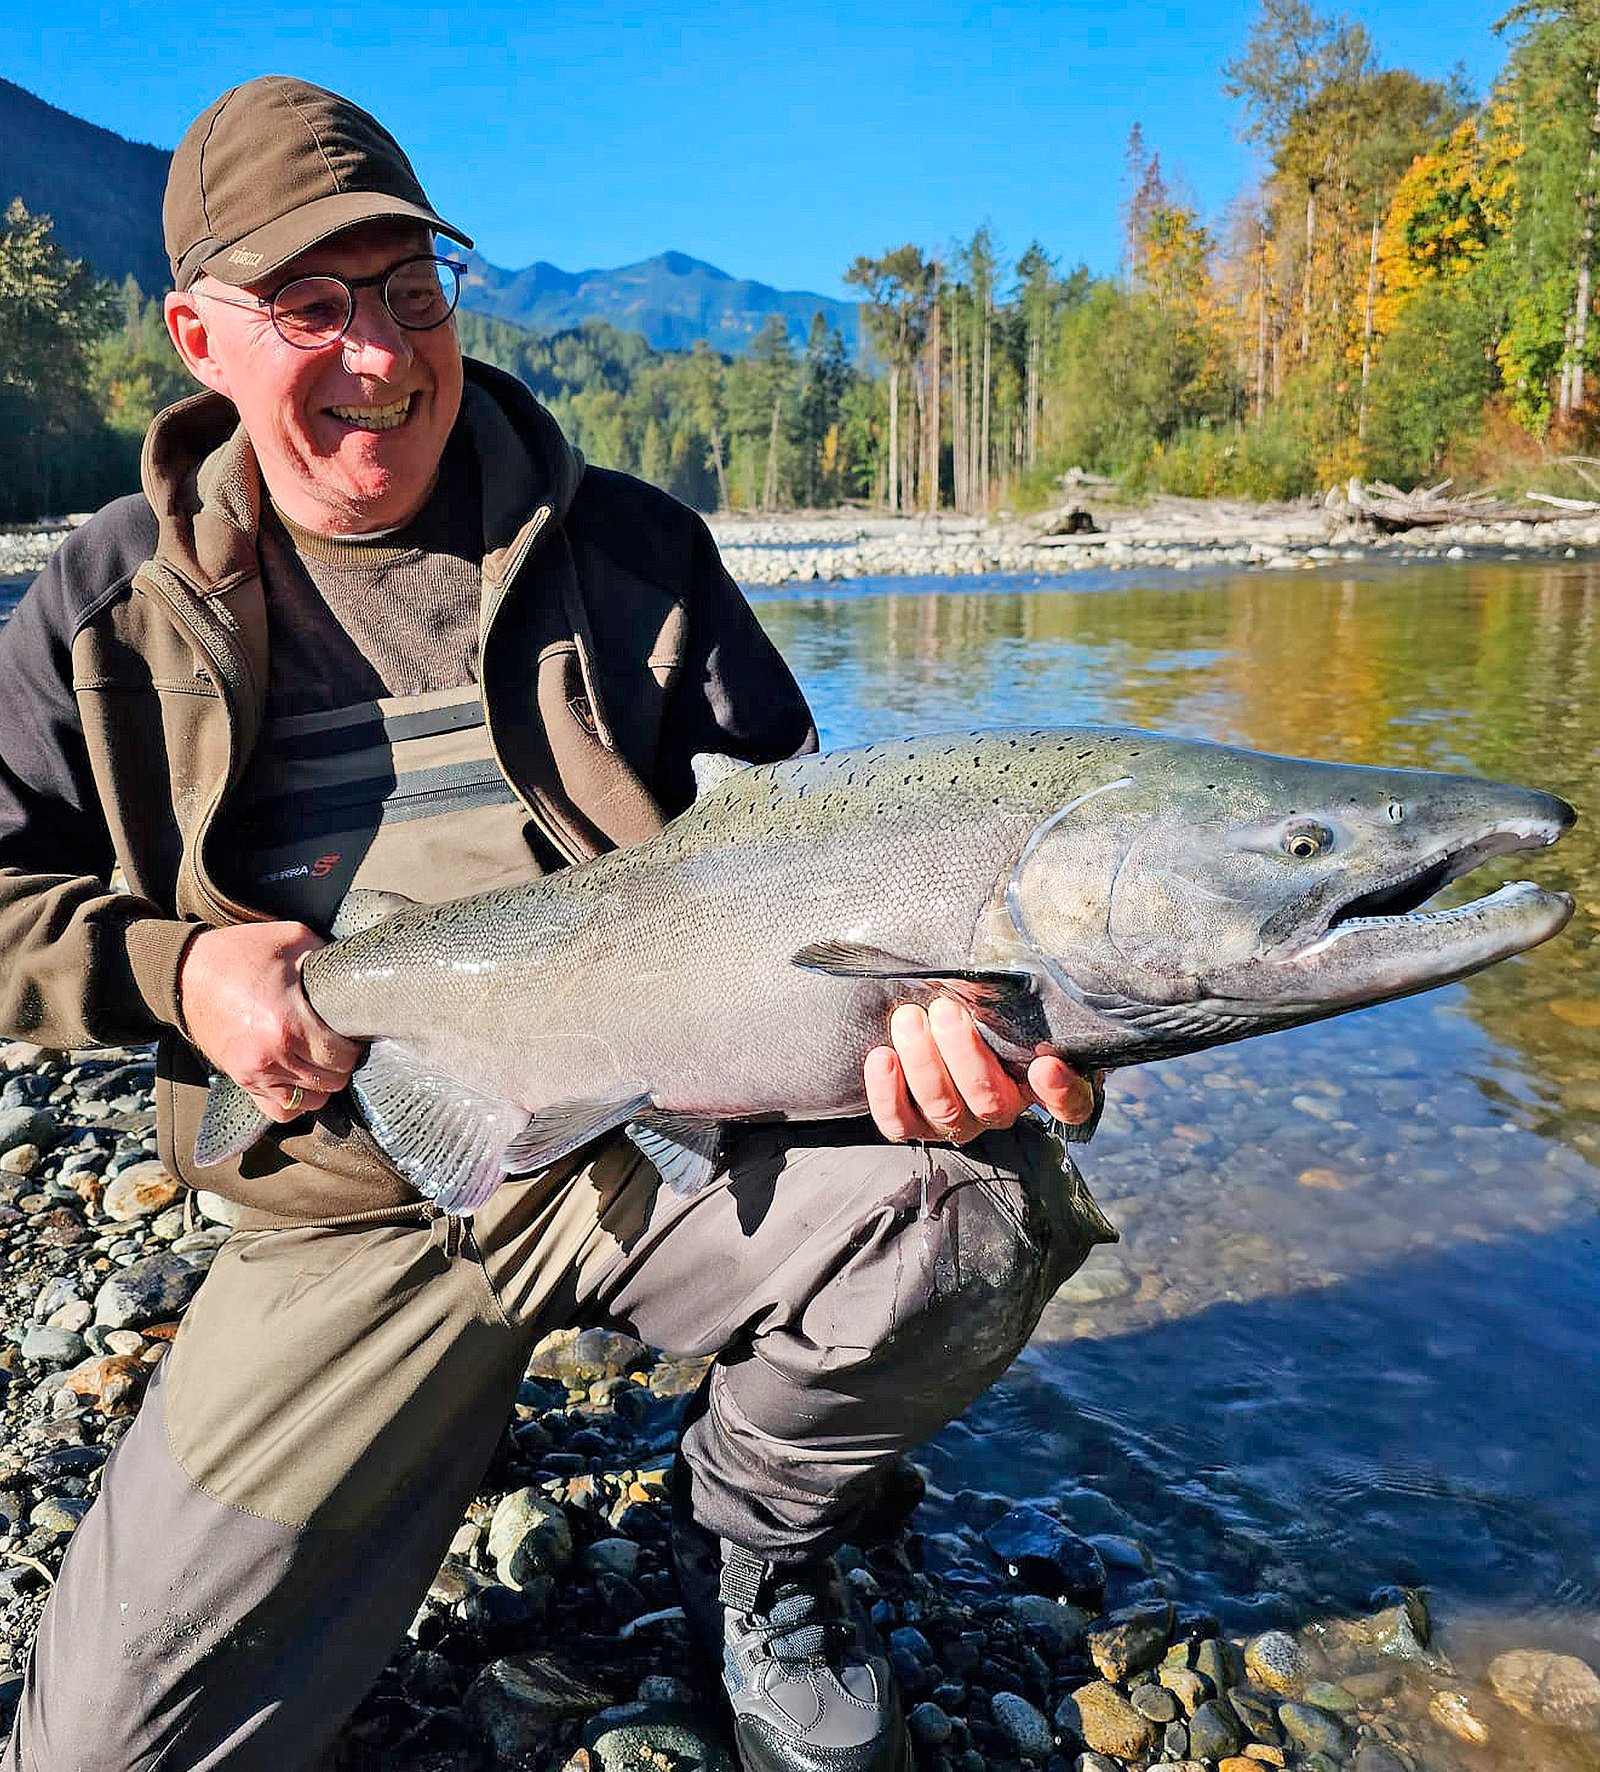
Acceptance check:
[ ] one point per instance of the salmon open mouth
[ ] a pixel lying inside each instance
(1463, 937)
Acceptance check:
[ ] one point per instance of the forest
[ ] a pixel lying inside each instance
(1406, 292)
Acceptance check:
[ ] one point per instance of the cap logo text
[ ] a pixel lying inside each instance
(236, 257)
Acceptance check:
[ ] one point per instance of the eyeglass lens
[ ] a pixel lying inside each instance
(420, 293)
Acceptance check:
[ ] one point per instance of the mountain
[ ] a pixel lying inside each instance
(672, 299)
(105, 196)
(103, 192)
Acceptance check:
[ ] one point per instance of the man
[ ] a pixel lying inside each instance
(373, 623)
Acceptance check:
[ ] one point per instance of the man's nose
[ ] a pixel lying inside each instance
(375, 343)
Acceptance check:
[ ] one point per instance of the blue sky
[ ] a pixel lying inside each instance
(775, 141)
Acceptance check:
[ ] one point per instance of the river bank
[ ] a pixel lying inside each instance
(1024, 1633)
(1182, 534)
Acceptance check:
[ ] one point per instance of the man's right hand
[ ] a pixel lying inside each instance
(239, 989)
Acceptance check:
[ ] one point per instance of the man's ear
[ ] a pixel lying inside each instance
(186, 327)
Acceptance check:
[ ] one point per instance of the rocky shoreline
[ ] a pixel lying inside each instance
(1178, 534)
(1023, 1634)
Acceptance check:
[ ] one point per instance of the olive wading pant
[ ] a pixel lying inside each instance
(271, 1520)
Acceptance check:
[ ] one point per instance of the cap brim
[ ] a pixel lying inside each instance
(267, 250)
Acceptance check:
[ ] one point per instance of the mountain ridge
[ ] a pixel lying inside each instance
(104, 192)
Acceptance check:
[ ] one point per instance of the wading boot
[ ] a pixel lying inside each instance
(808, 1692)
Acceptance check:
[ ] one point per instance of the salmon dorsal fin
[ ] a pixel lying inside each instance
(712, 769)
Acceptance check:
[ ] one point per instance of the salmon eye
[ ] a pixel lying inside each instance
(1303, 841)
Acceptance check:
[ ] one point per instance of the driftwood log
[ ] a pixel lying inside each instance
(1390, 510)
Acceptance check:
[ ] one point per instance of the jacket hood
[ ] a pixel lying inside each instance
(202, 481)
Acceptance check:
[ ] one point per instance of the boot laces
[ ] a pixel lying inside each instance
(805, 1617)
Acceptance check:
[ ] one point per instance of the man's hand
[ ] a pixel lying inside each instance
(239, 989)
(939, 1080)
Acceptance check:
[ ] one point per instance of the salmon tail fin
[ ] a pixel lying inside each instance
(229, 1125)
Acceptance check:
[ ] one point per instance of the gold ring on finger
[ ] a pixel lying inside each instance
(297, 1096)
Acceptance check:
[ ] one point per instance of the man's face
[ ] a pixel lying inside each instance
(348, 436)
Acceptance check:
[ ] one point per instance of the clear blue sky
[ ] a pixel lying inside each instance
(777, 141)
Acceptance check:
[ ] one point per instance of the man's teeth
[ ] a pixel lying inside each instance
(374, 418)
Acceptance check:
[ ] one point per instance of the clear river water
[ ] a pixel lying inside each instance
(1350, 1336)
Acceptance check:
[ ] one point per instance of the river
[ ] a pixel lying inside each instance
(1349, 1336)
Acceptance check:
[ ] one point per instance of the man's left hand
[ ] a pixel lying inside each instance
(939, 1080)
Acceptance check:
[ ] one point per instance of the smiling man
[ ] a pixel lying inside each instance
(373, 623)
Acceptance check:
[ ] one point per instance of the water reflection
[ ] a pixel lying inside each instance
(1348, 1335)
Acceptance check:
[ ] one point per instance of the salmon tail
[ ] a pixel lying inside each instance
(230, 1124)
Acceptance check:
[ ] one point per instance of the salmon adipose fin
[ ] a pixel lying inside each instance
(683, 1150)
(456, 1145)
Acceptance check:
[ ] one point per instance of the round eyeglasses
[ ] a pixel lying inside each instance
(314, 312)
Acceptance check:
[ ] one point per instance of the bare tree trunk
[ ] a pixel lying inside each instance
(1261, 328)
(769, 483)
(1580, 312)
(893, 450)
(988, 334)
(935, 377)
(1366, 326)
(958, 417)
(1564, 397)
(722, 472)
(1305, 295)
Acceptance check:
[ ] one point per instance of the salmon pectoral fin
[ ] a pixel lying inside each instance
(684, 1150)
(456, 1144)
(1003, 1001)
(229, 1124)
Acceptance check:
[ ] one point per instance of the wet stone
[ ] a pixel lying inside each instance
(1256, 1712)
(1390, 1633)
(1220, 1662)
(1189, 1688)
(929, 1725)
(1046, 1557)
(1327, 1695)
(1135, 1640)
(26, 1125)
(1103, 1720)
(1372, 1756)
(1314, 1731)
(1214, 1731)
(1455, 1714)
(1275, 1660)
(1054, 1624)
(1023, 1725)
(517, 1704)
(647, 1738)
(59, 1514)
(1175, 1740)
(1156, 1703)
(1558, 1690)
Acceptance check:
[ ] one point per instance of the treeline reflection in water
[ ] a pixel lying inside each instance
(1348, 1336)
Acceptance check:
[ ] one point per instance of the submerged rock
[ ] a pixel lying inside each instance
(1558, 1690)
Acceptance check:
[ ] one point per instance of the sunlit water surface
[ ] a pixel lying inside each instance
(1349, 1336)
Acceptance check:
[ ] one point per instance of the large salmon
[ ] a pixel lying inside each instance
(1108, 895)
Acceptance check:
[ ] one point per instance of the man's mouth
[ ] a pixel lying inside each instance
(389, 417)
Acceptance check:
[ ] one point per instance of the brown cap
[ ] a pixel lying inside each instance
(275, 166)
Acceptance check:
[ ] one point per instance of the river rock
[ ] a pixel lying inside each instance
(638, 1738)
(214, 1209)
(579, 1357)
(518, 1703)
(1275, 1660)
(1389, 1633)
(139, 1191)
(1105, 1722)
(1055, 1624)
(150, 1291)
(1214, 1731)
(1314, 1731)
(113, 1384)
(21, 1159)
(1188, 1687)
(1042, 1554)
(1155, 1702)
(44, 1346)
(1556, 1689)
(1134, 1640)
(1372, 1756)
(25, 1125)
(1453, 1712)
(528, 1537)
(1219, 1661)
(1023, 1725)
(929, 1725)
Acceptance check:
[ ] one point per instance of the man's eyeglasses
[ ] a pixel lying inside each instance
(312, 313)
